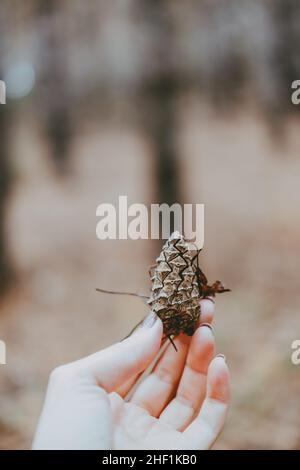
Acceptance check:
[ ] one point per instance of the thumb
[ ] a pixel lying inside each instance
(115, 365)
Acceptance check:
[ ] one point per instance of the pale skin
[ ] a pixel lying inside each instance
(182, 404)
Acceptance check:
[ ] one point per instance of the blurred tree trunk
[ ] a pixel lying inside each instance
(286, 16)
(5, 186)
(54, 96)
(160, 92)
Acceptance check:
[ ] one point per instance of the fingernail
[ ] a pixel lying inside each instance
(208, 325)
(222, 356)
(149, 320)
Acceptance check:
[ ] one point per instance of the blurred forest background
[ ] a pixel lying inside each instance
(164, 101)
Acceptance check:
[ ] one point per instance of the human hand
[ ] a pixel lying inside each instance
(182, 404)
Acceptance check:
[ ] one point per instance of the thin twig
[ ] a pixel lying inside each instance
(104, 291)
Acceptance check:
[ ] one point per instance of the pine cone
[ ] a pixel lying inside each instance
(178, 284)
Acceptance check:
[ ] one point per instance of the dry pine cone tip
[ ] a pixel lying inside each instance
(178, 284)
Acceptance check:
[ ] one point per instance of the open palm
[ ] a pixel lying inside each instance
(100, 402)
